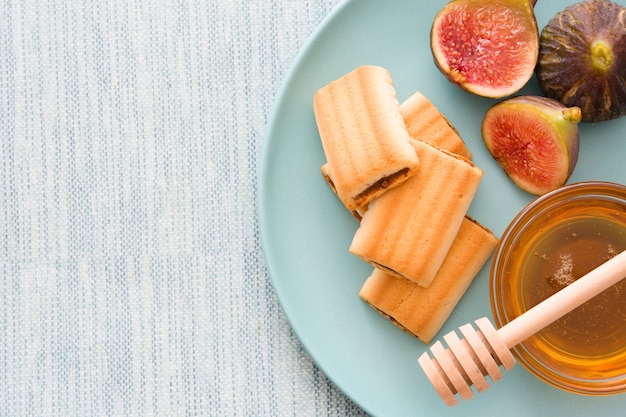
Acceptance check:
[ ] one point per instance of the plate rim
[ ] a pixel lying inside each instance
(261, 193)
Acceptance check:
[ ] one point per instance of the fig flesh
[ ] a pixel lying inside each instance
(535, 140)
(582, 59)
(486, 47)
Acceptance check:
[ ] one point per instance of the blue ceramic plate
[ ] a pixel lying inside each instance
(306, 232)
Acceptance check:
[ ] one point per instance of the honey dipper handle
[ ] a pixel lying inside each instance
(564, 301)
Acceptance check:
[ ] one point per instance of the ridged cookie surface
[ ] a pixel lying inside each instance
(423, 311)
(425, 122)
(363, 135)
(408, 230)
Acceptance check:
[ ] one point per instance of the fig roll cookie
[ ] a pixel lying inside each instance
(408, 231)
(363, 135)
(423, 311)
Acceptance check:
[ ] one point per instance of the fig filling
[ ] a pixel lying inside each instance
(381, 184)
(391, 319)
(388, 270)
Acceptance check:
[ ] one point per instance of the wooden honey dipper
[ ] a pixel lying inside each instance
(468, 361)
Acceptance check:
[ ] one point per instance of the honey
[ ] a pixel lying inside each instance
(585, 350)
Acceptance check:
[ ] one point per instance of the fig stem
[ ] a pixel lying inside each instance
(572, 114)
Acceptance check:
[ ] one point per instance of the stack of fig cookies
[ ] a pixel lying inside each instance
(407, 176)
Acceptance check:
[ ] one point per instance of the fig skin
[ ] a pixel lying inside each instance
(582, 59)
(535, 140)
(486, 47)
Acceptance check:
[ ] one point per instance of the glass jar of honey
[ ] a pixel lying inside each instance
(555, 240)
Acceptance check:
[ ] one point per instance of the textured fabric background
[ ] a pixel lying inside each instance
(133, 281)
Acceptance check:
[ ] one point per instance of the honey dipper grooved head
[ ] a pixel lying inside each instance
(467, 361)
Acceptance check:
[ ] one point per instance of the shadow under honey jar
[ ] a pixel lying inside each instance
(553, 241)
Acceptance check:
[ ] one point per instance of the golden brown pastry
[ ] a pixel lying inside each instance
(357, 213)
(423, 311)
(425, 122)
(363, 135)
(408, 230)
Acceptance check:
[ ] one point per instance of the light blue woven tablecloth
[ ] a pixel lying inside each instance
(133, 281)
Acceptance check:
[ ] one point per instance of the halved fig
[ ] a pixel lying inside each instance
(582, 59)
(486, 47)
(535, 140)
